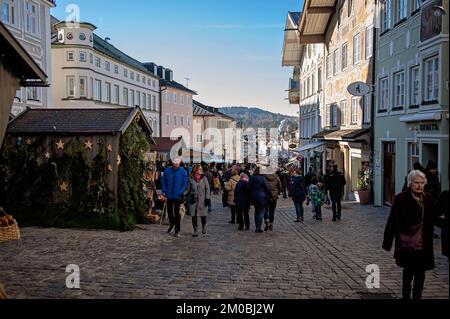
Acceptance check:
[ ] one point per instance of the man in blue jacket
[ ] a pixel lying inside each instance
(174, 185)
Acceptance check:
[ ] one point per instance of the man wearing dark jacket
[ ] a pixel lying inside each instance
(260, 195)
(209, 176)
(441, 208)
(336, 183)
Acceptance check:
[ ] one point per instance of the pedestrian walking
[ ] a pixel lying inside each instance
(260, 195)
(174, 185)
(441, 208)
(229, 188)
(199, 198)
(317, 197)
(243, 201)
(284, 178)
(298, 194)
(276, 188)
(433, 186)
(216, 179)
(411, 223)
(309, 176)
(336, 184)
(210, 178)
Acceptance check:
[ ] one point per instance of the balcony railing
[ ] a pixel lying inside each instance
(294, 91)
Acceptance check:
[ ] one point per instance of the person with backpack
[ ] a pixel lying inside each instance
(317, 197)
(298, 194)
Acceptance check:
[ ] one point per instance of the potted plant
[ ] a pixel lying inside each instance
(364, 186)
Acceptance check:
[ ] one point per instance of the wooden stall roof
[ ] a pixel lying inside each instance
(73, 121)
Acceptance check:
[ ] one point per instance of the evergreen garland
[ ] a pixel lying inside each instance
(131, 196)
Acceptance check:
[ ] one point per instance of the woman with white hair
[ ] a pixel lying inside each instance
(411, 223)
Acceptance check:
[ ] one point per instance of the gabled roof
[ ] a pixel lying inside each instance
(165, 144)
(177, 86)
(200, 109)
(56, 121)
(315, 20)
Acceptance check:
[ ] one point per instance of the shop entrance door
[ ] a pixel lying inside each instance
(389, 173)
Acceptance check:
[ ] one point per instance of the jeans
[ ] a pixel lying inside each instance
(243, 218)
(419, 279)
(259, 216)
(173, 210)
(336, 205)
(299, 210)
(317, 211)
(269, 214)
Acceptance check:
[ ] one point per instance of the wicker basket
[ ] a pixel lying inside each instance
(10, 232)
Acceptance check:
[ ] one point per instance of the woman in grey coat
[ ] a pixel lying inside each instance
(198, 199)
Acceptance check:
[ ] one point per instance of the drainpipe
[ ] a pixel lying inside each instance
(372, 111)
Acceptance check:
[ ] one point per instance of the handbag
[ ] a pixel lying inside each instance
(411, 239)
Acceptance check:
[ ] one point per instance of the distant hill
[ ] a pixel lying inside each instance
(257, 118)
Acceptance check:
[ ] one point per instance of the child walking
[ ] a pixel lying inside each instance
(317, 198)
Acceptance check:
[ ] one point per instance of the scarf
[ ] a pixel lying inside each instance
(418, 198)
(198, 178)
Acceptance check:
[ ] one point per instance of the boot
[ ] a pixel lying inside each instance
(267, 226)
(271, 227)
(204, 229)
(195, 232)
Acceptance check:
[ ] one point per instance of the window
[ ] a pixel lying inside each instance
(154, 83)
(138, 98)
(70, 55)
(351, 7)
(329, 67)
(154, 106)
(9, 12)
(199, 138)
(386, 15)
(116, 69)
(414, 155)
(83, 56)
(132, 102)
(97, 62)
(182, 99)
(344, 112)
(384, 94)
(182, 120)
(175, 98)
(369, 42)
(125, 72)
(402, 10)
(335, 115)
(319, 78)
(188, 121)
(313, 83)
(98, 90)
(144, 101)
(148, 102)
(367, 108)
(415, 84)
(108, 92)
(92, 88)
(83, 86)
(125, 96)
(33, 94)
(31, 18)
(355, 103)
(132, 75)
(415, 5)
(107, 66)
(308, 86)
(91, 58)
(344, 56)
(70, 86)
(138, 77)
(356, 48)
(167, 119)
(175, 120)
(328, 115)
(399, 90)
(336, 61)
(168, 94)
(432, 79)
(116, 94)
(143, 79)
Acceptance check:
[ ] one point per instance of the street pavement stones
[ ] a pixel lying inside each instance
(310, 260)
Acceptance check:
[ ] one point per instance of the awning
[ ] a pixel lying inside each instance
(342, 135)
(311, 146)
(291, 45)
(315, 20)
(436, 116)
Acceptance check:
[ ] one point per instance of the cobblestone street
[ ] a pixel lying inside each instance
(304, 261)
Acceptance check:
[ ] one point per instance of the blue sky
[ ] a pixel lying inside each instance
(231, 50)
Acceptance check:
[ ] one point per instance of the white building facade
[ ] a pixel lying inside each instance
(90, 72)
(29, 22)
